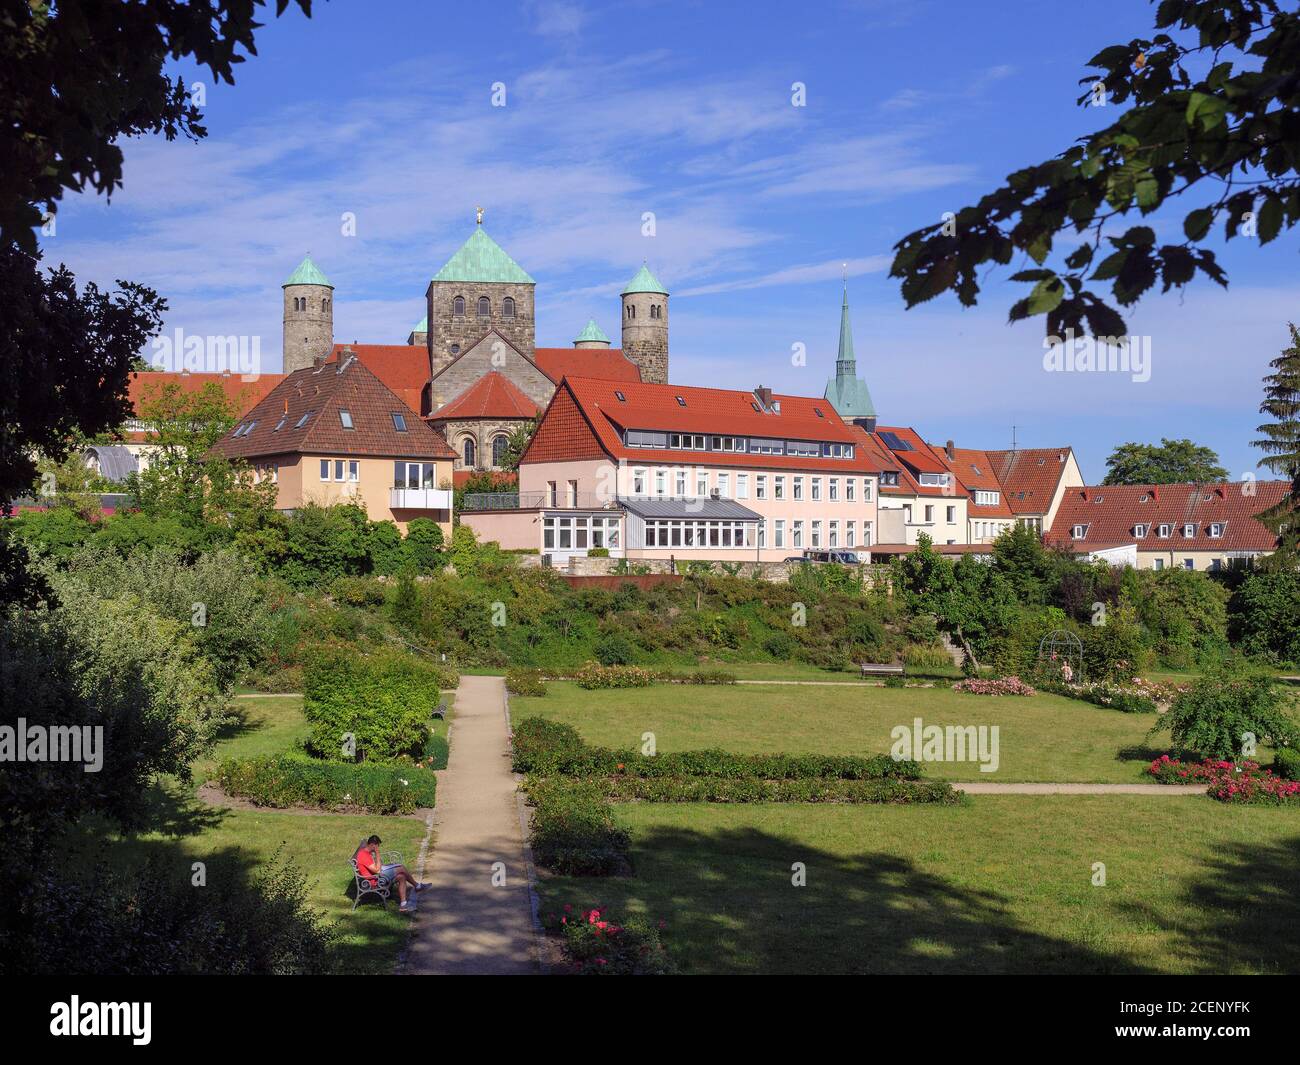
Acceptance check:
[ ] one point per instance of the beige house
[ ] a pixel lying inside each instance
(334, 433)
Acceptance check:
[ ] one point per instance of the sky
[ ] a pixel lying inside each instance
(367, 135)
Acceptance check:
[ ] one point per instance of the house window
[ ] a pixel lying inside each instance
(399, 421)
(816, 488)
(952, 515)
(458, 307)
(484, 307)
(866, 490)
(1189, 530)
(661, 483)
(778, 537)
(816, 534)
(1216, 529)
(851, 534)
(1216, 564)
(849, 488)
(338, 469)
(638, 482)
(681, 483)
(508, 307)
(798, 488)
(797, 534)
(724, 485)
(742, 486)
(302, 421)
(702, 483)
(345, 418)
(760, 486)
(573, 498)
(778, 487)
(499, 445)
(552, 497)
(1162, 530)
(631, 311)
(469, 451)
(1139, 531)
(834, 534)
(1158, 564)
(1079, 532)
(833, 489)
(324, 469)
(1189, 563)
(929, 513)
(354, 470)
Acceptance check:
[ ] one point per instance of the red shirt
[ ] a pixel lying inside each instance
(367, 863)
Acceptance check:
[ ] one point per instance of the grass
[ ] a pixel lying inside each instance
(184, 829)
(1002, 885)
(1041, 738)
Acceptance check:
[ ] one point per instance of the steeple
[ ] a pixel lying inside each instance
(847, 392)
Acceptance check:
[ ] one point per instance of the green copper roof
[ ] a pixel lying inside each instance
(482, 259)
(644, 281)
(847, 392)
(422, 326)
(308, 273)
(591, 331)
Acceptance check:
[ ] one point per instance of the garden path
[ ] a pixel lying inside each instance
(477, 918)
(990, 788)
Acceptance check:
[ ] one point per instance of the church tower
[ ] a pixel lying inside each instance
(645, 326)
(847, 392)
(308, 316)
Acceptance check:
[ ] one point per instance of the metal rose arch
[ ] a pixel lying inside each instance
(1060, 655)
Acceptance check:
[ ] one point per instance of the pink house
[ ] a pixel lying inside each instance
(658, 470)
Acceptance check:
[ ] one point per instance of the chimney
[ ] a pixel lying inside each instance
(949, 450)
(764, 397)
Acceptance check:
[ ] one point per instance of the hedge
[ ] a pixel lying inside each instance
(289, 780)
(573, 831)
(525, 682)
(1286, 763)
(544, 747)
(621, 788)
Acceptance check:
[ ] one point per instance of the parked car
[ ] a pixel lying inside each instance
(842, 558)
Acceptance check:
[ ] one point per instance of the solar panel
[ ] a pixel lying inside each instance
(894, 443)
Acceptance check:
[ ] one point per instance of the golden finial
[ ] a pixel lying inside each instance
(478, 211)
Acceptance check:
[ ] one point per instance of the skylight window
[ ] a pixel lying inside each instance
(619, 396)
(399, 421)
(818, 411)
(280, 424)
(303, 420)
(345, 417)
(681, 402)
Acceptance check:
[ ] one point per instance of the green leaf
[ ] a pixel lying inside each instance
(1110, 266)
(1047, 294)
(1198, 223)
(1270, 219)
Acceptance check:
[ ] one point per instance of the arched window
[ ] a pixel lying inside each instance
(458, 306)
(654, 310)
(324, 305)
(631, 311)
(484, 307)
(499, 444)
(469, 452)
(508, 307)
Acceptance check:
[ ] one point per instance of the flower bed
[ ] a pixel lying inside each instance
(525, 682)
(292, 780)
(1241, 782)
(994, 686)
(805, 789)
(597, 945)
(594, 675)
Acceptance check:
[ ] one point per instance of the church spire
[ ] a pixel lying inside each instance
(847, 392)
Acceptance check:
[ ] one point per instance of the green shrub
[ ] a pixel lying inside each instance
(1264, 615)
(926, 656)
(1286, 763)
(757, 789)
(423, 548)
(598, 552)
(614, 649)
(781, 645)
(544, 748)
(358, 591)
(525, 682)
(596, 676)
(384, 700)
(711, 676)
(292, 780)
(573, 831)
(895, 681)
(1215, 715)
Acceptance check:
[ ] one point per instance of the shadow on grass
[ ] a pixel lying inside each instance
(730, 906)
(1140, 754)
(1241, 914)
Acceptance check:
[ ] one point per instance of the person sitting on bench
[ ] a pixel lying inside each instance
(370, 865)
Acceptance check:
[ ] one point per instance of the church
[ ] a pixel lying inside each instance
(471, 367)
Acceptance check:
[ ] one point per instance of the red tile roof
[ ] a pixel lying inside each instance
(1111, 513)
(607, 364)
(1029, 476)
(974, 471)
(403, 368)
(911, 463)
(320, 393)
(243, 391)
(491, 396)
(709, 411)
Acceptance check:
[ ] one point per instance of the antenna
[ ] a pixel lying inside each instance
(1013, 439)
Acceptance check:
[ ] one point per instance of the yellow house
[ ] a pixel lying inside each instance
(334, 433)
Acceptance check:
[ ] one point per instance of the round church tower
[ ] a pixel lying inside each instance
(308, 316)
(645, 326)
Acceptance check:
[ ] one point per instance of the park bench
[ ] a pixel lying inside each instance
(441, 712)
(379, 886)
(880, 669)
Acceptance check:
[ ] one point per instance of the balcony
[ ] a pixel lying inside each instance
(478, 501)
(419, 499)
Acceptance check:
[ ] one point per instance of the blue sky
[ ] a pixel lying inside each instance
(683, 110)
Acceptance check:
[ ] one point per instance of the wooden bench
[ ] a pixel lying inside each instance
(880, 669)
(382, 887)
(441, 712)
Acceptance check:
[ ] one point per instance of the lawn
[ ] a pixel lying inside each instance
(184, 830)
(1002, 885)
(1041, 738)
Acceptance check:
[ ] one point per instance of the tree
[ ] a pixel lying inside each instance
(1213, 120)
(185, 477)
(76, 77)
(1281, 445)
(517, 443)
(1172, 462)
